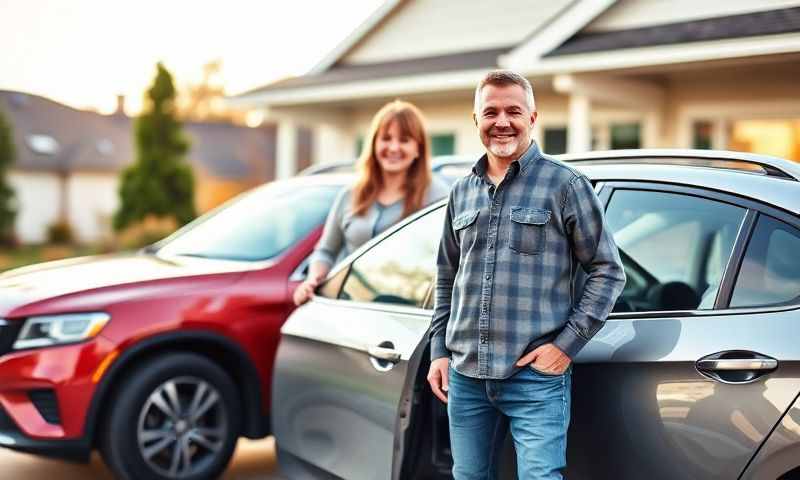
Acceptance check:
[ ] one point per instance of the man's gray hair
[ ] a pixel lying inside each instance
(503, 78)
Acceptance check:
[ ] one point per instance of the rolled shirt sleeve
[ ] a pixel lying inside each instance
(593, 246)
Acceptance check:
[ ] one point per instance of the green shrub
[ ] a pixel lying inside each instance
(60, 232)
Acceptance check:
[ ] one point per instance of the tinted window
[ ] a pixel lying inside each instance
(770, 272)
(257, 225)
(555, 140)
(625, 136)
(443, 144)
(674, 248)
(401, 268)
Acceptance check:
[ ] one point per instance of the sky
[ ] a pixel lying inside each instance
(84, 53)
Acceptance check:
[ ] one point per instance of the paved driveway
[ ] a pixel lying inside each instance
(254, 460)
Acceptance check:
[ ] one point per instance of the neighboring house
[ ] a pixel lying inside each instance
(631, 73)
(68, 164)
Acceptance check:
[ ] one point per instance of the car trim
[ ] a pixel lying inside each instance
(381, 307)
(703, 313)
(774, 166)
(731, 273)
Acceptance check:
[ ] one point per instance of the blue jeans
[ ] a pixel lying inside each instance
(535, 405)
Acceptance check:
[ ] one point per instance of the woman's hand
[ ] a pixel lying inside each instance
(305, 290)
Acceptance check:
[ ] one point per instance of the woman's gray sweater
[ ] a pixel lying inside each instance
(344, 232)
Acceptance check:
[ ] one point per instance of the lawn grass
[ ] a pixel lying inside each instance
(30, 254)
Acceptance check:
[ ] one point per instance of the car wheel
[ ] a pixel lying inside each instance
(175, 417)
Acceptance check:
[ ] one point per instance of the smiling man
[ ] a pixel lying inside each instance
(508, 321)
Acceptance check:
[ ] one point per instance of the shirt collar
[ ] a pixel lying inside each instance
(518, 166)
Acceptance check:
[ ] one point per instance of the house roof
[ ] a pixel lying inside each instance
(556, 40)
(733, 26)
(231, 152)
(348, 73)
(79, 140)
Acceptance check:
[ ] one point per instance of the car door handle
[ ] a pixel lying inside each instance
(736, 366)
(384, 353)
(728, 364)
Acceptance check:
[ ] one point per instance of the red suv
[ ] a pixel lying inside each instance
(160, 358)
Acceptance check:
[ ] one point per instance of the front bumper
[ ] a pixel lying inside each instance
(68, 377)
(11, 437)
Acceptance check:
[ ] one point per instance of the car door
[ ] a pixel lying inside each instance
(342, 361)
(677, 384)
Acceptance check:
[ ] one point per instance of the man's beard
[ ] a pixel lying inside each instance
(503, 149)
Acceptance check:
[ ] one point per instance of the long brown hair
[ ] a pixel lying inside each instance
(418, 177)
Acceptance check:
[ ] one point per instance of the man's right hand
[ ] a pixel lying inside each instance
(438, 377)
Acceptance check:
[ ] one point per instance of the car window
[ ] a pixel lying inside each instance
(256, 226)
(400, 269)
(674, 248)
(770, 272)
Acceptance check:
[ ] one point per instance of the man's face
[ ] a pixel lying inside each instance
(504, 121)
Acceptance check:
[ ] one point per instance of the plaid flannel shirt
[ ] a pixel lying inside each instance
(507, 266)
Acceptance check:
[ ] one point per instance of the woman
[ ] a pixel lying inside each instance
(395, 181)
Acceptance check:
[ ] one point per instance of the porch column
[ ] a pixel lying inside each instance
(538, 133)
(332, 144)
(651, 135)
(719, 134)
(286, 161)
(579, 128)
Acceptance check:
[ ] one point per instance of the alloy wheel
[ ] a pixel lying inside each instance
(182, 427)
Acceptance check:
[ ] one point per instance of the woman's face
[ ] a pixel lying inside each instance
(394, 150)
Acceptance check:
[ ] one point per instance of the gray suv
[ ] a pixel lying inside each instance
(695, 375)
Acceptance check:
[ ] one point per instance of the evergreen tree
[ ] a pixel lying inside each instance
(160, 183)
(8, 210)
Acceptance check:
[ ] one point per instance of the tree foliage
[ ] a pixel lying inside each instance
(8, 208)
(159, 183)
(204, 101)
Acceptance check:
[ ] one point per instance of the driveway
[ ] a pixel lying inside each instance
(254, 460)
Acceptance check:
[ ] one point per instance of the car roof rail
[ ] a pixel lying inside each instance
(329, 167)
(739, 161)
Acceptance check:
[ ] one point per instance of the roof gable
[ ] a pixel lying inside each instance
(431, 28)
(733, 26)
(630, 14)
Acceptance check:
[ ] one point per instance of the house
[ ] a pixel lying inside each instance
(68, 164)
(606, 74)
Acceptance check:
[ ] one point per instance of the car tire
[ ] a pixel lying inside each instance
(175, 417)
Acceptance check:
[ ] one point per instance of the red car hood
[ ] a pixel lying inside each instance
(52, 279)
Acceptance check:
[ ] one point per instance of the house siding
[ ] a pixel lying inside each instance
(37, 203)
(425, 28)
(92, 201)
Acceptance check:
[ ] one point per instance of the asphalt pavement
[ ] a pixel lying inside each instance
(254, 460)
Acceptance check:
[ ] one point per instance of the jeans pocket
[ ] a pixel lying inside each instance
(527, 233)
(546, 374)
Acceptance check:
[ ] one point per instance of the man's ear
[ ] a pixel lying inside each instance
(475, 118)
(534, 114)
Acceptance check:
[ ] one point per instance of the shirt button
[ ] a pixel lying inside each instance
(488, 277)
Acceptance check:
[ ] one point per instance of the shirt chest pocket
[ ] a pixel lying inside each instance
(527, 233)
(464, 226)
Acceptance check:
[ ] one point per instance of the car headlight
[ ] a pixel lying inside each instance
(47, 330)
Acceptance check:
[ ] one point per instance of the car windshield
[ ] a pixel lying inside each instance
(257, 225)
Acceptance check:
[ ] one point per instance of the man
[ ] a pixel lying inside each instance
(508, 319)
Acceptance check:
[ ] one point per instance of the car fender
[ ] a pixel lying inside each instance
(219, 348)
